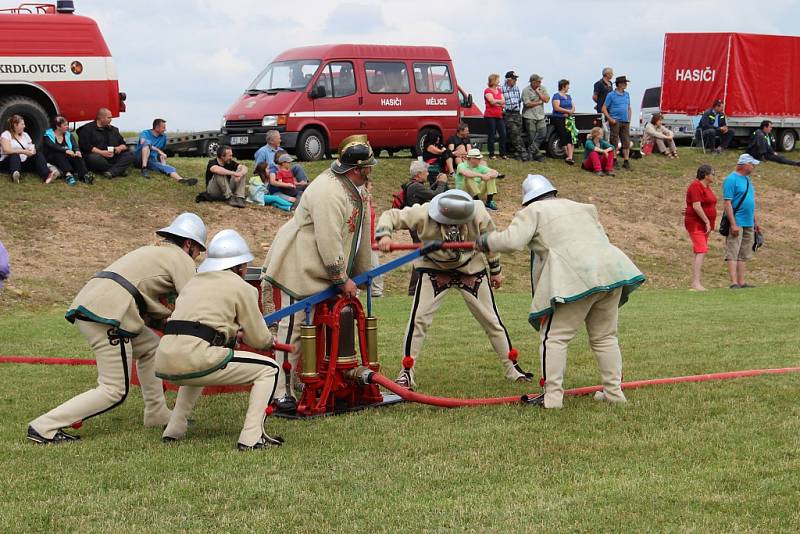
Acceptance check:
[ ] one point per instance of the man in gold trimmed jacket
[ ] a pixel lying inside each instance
(327, 242)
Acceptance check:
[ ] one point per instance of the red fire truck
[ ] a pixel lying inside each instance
(318, 95)
(53, 62)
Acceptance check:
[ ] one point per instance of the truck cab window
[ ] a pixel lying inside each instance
(432, 78)
(338, 79)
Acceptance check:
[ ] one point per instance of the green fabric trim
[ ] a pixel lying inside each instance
(283, 288)
(73, 314)
(636, 281)
(198, 374)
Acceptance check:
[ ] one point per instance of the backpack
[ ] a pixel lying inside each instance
(399, 197)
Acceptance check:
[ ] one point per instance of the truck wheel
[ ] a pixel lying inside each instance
(422, 137)
(35, 116)
(208, 148)
(554, 148)
(786, 140)
(311, 145)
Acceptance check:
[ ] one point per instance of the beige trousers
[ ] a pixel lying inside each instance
(244, 368)
(666, 146)
(289, 333)
(599, 312)
(225, 187)
(477, 294)
(113, 382)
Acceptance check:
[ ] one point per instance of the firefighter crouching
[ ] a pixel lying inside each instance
(450, 216)
(195, 350)
(109, 312)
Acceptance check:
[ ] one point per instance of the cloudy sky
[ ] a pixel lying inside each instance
(187, 60)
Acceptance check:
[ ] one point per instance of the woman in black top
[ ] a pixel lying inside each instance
(437, 154)
(61, 150)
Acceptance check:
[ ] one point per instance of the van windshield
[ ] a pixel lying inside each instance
(285, 76)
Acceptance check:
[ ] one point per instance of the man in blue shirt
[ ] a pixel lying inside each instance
(739, 206)
(266, 154)
(151, 156)
(617, 110)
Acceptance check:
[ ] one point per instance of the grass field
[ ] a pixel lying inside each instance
(710, 457)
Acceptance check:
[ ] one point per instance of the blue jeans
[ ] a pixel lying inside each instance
(492, 124)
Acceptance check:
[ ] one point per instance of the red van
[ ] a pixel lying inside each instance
(64, 67)
(318, 95)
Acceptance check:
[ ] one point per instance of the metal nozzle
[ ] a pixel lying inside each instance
(360, 375)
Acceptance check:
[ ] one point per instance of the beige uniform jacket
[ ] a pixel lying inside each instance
(154, 270)
(326, 242)
(571, 255)
(223, 301)
(465, 261)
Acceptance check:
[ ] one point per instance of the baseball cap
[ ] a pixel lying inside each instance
(747, 158)
(535, 78)
(511, 74)
(285, 158)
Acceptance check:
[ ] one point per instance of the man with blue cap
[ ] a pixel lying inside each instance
(739, 209)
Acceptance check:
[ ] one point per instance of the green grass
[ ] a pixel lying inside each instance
(709, 457)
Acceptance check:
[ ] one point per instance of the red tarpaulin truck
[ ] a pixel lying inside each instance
(757, 76)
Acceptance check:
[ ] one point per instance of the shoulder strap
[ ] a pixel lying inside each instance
(741, 201)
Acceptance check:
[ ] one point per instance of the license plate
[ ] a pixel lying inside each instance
(239, 140)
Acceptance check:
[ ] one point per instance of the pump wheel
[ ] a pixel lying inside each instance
(311, 145)
(35, 116)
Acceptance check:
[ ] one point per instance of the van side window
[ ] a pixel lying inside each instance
(432, 78)
(338, 78)
(386, 77)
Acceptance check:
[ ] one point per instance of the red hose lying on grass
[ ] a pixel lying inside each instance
(448, 402)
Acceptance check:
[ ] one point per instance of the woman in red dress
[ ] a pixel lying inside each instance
(699, 218)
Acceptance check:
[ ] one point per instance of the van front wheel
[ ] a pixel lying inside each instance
(311, 145)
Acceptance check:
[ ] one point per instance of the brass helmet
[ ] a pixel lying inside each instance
(354, 151)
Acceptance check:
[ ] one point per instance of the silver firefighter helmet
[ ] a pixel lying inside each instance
(186, 225)
(227, 249)
(452, 207)
(534, 186)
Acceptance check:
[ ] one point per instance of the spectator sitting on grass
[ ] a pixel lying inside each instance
(103, 147)
(658, 136)
(477, 179)
(458, 145)
(225, 178)
(760, 146)
(151, 156)
(18, 153)
(436, 153)
(284, 181)
(61, 150)
(598, 154)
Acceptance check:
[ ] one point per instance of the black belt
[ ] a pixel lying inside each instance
(193, 328)
(130, 288)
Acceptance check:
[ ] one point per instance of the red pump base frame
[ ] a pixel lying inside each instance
(330, 391)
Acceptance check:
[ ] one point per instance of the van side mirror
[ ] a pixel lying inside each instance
(318, 91)
(468, 101)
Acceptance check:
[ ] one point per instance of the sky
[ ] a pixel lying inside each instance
(188, 60)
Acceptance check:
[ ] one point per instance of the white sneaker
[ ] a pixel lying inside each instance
(406, 379)
(15, 177)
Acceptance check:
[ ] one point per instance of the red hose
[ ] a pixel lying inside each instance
(46, 361)
(448, 402)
